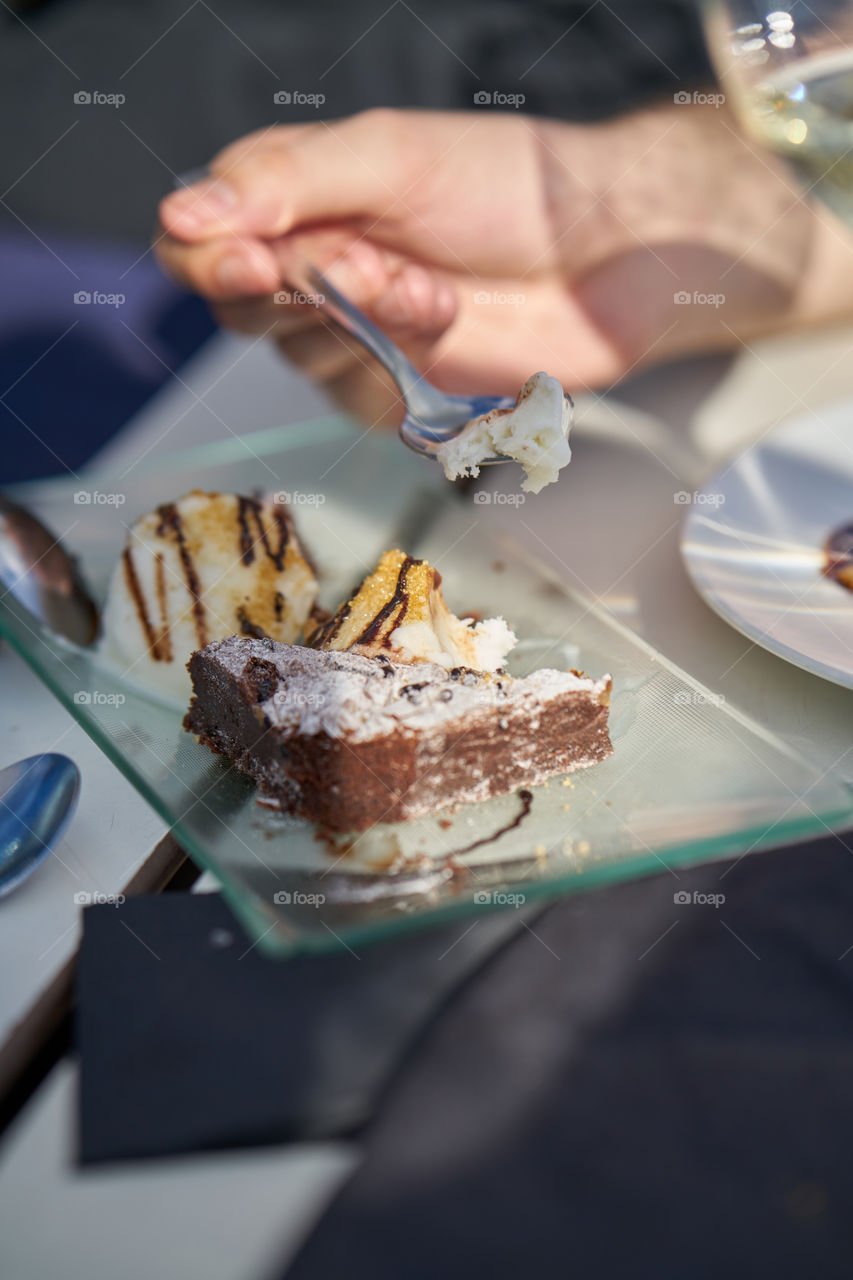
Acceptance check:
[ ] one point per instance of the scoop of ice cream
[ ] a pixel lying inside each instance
(207, 566)
(400, 612)
(533, 431)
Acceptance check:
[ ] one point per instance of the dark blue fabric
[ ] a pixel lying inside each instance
(73, 372)
(638, 1089)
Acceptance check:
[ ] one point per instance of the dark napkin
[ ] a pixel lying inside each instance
(191, 1039)
(640, 1086)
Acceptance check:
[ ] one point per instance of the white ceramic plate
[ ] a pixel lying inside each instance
(753, 541)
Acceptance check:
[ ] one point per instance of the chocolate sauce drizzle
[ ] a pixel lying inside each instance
(135, 592)
(249, 510)
(170, 522)
(397, 604)
(248, 627)
(160, 641)
(249, 513)
(839, 556)
(329, 629)
(526, 798)
(164, 636)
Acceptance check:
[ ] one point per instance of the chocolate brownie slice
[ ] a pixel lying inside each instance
(348, 741)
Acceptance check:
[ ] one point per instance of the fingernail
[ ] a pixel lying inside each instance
(357, 271)
(393, 306)
(419, 285)
(239, 274)
(202, 202)
(445, 298)
(408, 293)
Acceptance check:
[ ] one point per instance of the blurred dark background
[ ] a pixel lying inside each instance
(107, 101)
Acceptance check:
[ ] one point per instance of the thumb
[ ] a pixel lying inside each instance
(332, 171)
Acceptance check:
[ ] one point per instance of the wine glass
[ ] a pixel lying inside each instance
(788, 75)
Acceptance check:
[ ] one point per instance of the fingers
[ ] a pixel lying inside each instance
(230, 267)
(359, 269)
(412, 312)
(326, 351)
(402, 297)
(243, 279)
(331, 171)
(220, 269)
(416, 303)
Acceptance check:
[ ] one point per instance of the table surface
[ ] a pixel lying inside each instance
(673, 425)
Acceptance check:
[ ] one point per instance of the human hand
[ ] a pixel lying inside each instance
(488, 246)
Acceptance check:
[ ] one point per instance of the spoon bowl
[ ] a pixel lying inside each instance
(37, 798)
(432, 416)
(42, 576)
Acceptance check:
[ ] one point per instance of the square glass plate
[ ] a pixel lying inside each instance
(689, 779)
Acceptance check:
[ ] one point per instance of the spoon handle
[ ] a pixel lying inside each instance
(339, 307)
(417, 393)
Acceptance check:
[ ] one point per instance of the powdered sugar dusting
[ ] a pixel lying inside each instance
(348, 695)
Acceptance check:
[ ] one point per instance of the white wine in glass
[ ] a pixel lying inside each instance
(788, 75)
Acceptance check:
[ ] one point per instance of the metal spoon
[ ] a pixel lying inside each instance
(37, 798)
(432, 416)
(40, 574)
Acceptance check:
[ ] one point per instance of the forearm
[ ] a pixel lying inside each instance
(673, 204)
